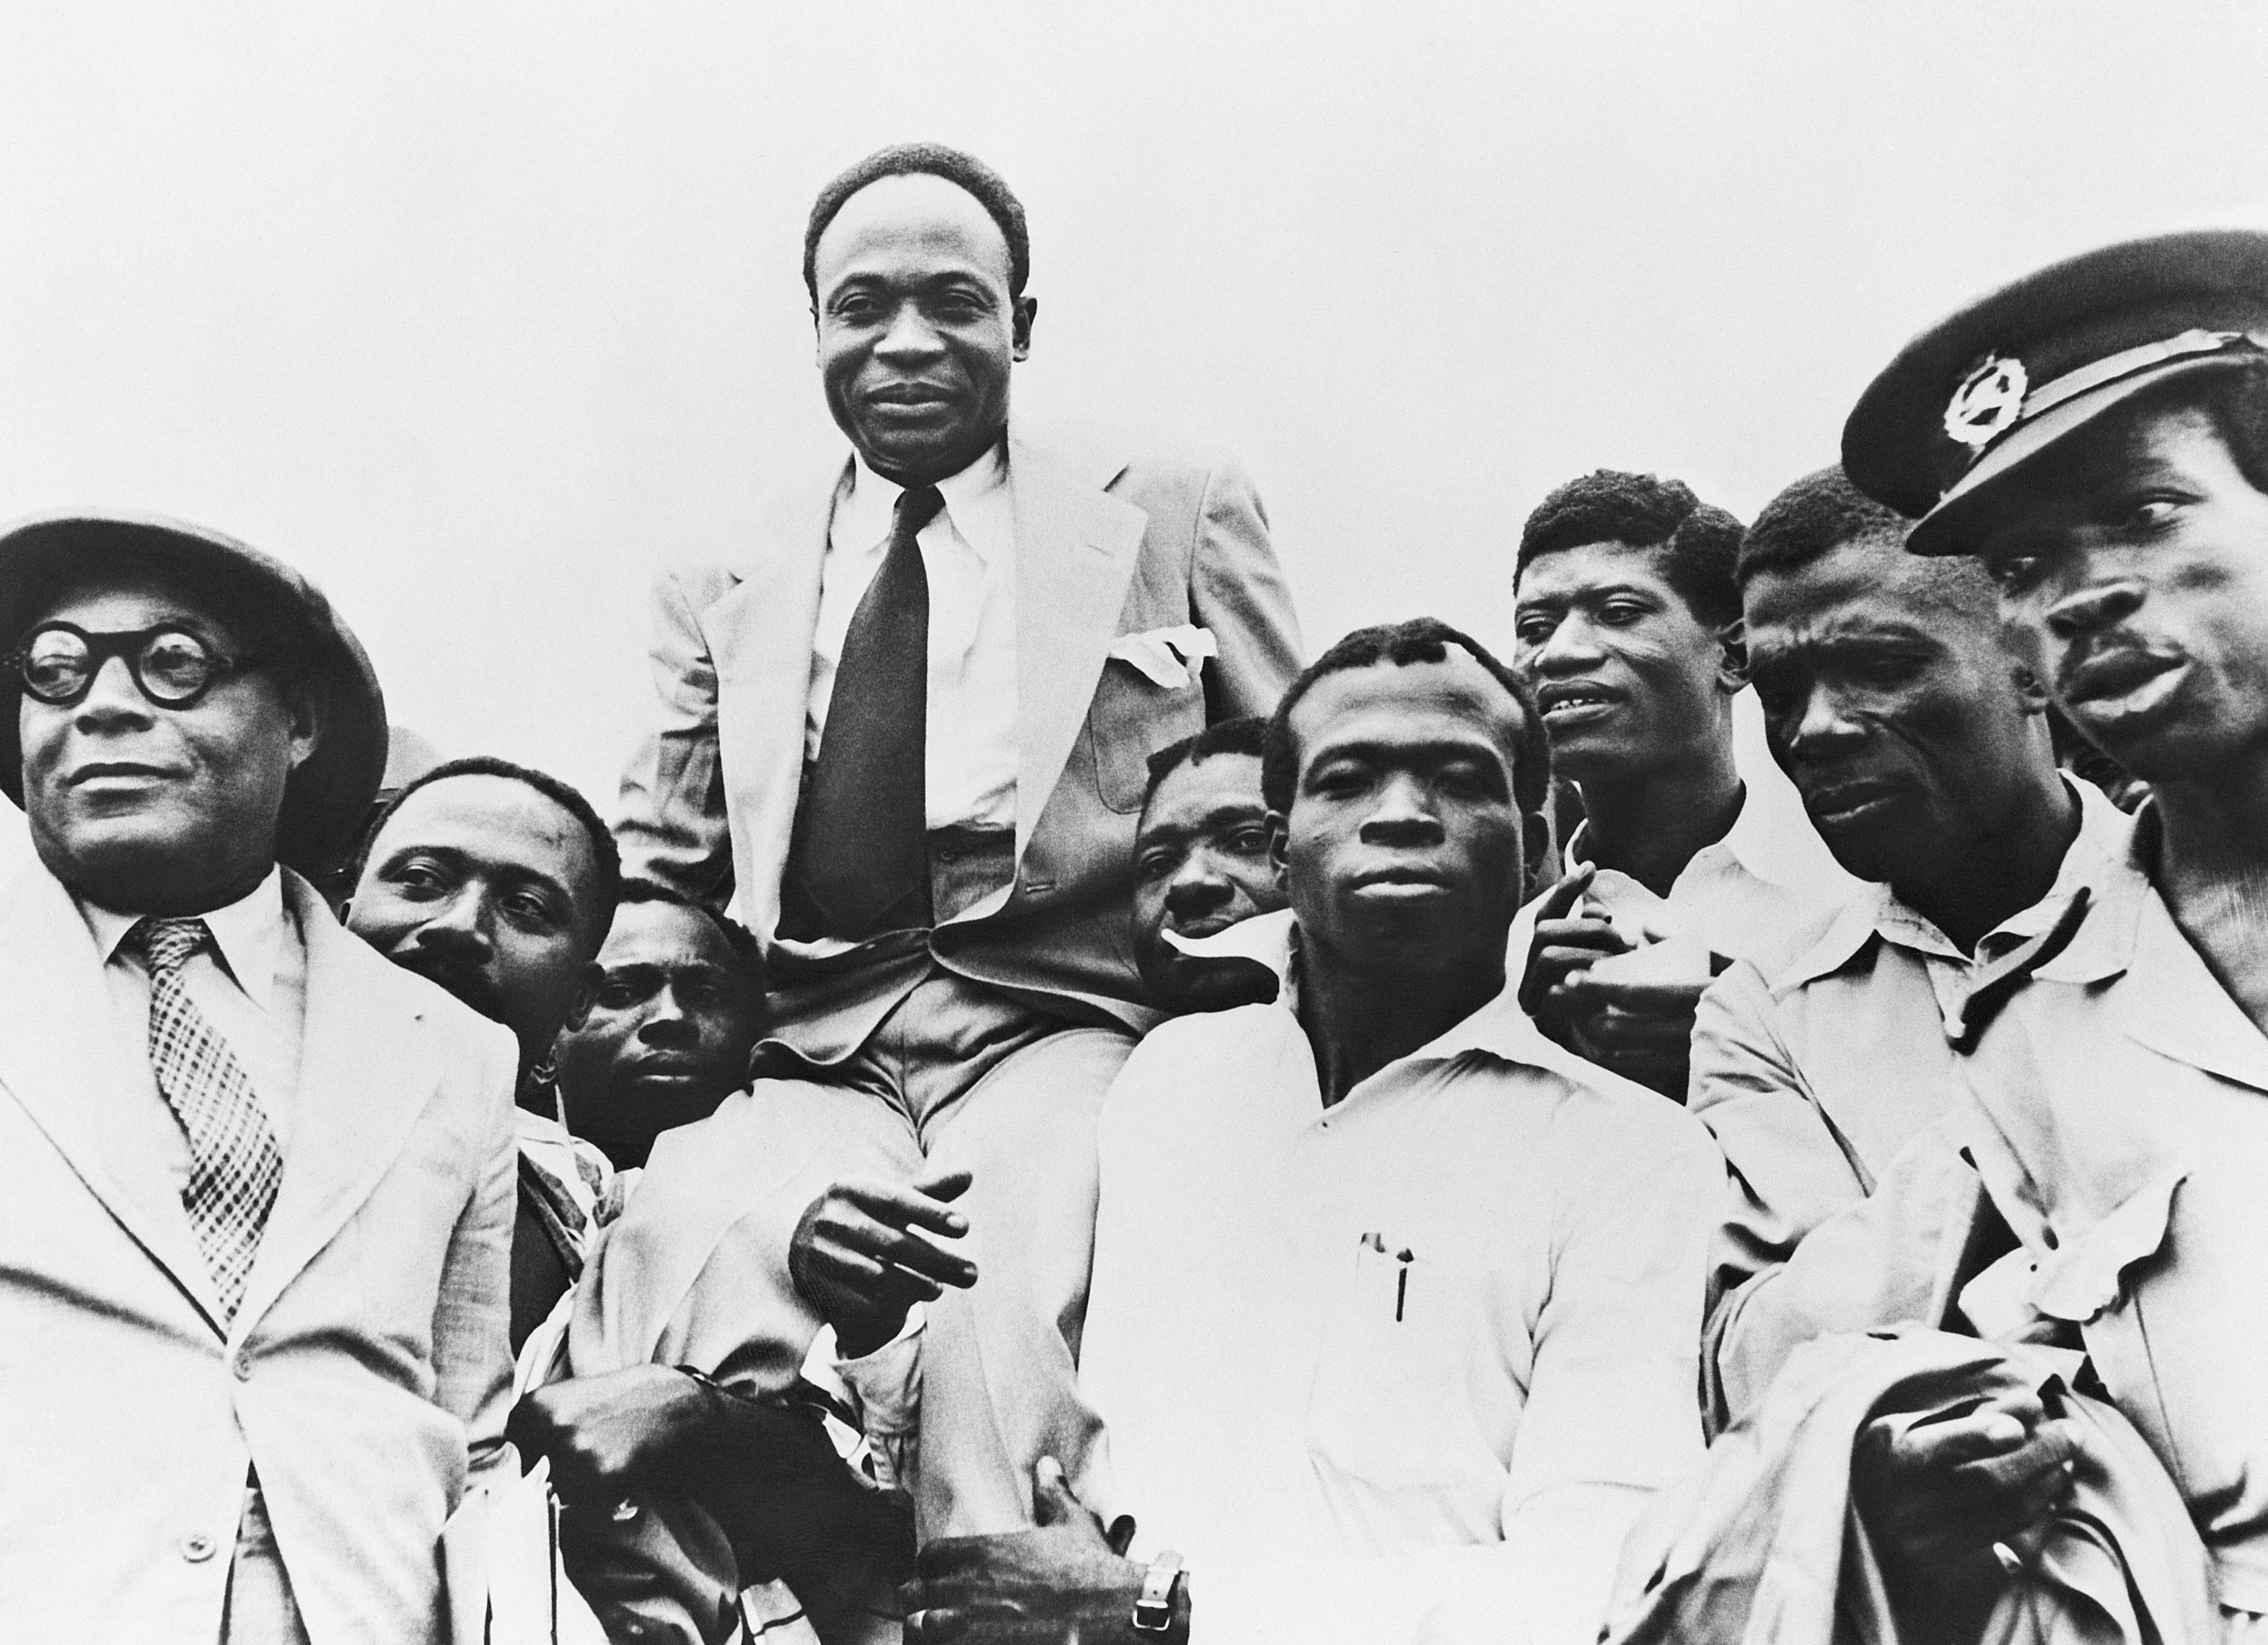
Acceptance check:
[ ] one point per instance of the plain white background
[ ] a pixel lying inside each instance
(480, 314)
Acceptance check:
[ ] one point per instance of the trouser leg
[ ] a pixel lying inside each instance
(999, 1361)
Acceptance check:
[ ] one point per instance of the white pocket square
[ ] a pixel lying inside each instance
(1170, 657)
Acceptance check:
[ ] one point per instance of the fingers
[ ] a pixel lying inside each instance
(946, 1184)
(912, 1205)
(851, 1239)
(1563, 897)
(1586, 990)
(935, 1625)
(1990, 1431)
(1054, 1503)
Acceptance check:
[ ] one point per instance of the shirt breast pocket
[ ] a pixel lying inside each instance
(1131, 719)
(1398, 1380)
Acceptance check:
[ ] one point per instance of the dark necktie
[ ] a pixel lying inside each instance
(234, 1166)
(860, 853)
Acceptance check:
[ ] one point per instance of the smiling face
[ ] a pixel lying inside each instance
(485, 886)
(2133, 563)
(155, 810)
(668, 1034)
(1200, 864)
(1629, 679)
(1891, 705)
(1402, 850)
(918, 332)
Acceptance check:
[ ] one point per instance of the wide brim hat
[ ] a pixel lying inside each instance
(1987, 390)
(329, 797)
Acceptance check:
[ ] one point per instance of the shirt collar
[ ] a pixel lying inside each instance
(1498, 1029)
(1746, 843)
(971, 502)
(248, 933)
(2104, 841)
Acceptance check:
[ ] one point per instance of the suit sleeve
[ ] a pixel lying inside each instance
(1238, 592)
(472, 1347)
(1788, 1170)
(673, 827)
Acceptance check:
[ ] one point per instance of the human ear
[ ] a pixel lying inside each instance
(305, 726)
(1021, 313)
(1733, 656)
(587, 996)
(1279, 847)
(2029, 693)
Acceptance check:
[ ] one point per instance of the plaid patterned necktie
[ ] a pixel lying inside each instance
(234, 1164)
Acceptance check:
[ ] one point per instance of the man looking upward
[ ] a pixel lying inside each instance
(908, 725)
(1627, 627)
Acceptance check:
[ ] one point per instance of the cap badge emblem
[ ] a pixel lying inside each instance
(1989, 400)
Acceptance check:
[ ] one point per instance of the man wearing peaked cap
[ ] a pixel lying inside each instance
(2097, 436)
(253, 1256)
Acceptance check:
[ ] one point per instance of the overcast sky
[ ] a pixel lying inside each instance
(482, 313)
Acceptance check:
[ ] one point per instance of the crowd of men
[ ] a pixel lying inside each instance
(1045, 1120)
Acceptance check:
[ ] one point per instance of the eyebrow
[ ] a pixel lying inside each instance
(1589, 591)
(1439, 748)
(464, 861)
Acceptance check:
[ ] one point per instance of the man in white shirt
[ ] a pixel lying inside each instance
(1923, 752)
(1627, 627)
(253, 1254)
(1393, 1319)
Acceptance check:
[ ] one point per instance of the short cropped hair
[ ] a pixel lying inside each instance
(606, 858)
(1697, 543)
(1244, 735)
(925, 159)
(741, 941)
(1819, 512)
(1823, 512)
(1419, 640)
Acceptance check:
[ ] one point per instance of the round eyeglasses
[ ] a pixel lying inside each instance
(172, 667)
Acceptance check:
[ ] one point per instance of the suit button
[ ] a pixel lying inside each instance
(243, 1365)
(197, 1547)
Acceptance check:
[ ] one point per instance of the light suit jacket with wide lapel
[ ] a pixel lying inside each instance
(1105, 546)
(367, 1367)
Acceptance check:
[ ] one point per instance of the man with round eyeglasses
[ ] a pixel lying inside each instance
(253, 1260)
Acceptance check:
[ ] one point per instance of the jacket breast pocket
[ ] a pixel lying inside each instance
(1393, 1399)
(1131, 719)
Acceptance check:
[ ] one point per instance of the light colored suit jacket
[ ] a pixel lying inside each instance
(1105, 546)
(366, 1369)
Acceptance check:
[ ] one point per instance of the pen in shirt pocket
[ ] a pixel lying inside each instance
(1405, 1257)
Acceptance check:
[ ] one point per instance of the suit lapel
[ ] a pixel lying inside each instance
(1076, 548)
(759, 636)
(66, 1062)
(365, 1075)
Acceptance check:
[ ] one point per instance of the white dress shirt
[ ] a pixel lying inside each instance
(253, 992)
(1404, 1368)
(968, 552)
